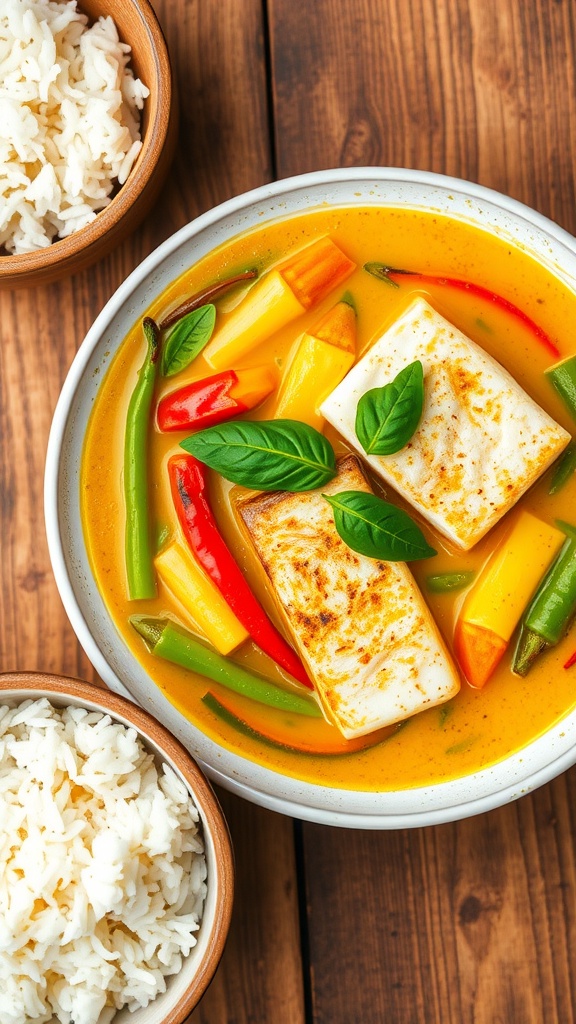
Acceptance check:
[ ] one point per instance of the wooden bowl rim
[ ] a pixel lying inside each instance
(202, 792)
(29, 263)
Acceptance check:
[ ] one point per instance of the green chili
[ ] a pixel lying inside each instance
(167, 640)
(563, 469)
(562, 377)
(552, 607)
(445, 582)
(138, 545)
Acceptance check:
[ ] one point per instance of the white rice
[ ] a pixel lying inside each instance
(69, 111)
(102, 871)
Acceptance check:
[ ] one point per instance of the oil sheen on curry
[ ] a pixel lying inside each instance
(328, 495)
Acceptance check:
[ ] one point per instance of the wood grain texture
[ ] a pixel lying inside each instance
(471, 923)
(475, 88)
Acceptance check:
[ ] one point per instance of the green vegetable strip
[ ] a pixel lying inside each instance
(167, 640)
(446, 582)
(555, 602)
(562, 377)
(138, 546)
(551, 610)
(564, 469)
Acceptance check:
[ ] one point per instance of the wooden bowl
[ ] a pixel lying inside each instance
(138, 26)
(184, 989)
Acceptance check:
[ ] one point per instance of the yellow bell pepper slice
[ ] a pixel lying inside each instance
(279, 297)
(200, 599)
(493, 607)
(323, 357)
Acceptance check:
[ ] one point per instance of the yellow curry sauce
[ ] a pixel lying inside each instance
(476, 728)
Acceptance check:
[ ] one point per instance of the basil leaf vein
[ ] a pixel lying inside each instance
(267, 455)
(374, 527)
(387, 417)
(187, 339)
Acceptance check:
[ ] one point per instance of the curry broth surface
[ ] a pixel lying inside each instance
(476, 728)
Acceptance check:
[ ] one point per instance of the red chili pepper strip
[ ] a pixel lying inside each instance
(188, 485)
(571, 661)
(482, 293)
(214, 399)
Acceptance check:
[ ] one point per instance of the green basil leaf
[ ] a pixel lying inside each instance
(374, 527)
(187, 339)
(268, 455)
(387, 417)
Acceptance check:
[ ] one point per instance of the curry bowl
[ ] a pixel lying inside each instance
(422, 268)
(134, 806)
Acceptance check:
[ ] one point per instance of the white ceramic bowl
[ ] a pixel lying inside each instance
(183, 990)
(547, 756)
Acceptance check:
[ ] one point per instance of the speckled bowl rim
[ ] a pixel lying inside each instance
(543, 759)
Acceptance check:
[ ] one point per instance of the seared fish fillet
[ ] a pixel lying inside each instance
(361, 626)
(481, 442)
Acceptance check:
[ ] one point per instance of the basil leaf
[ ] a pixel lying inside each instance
(387, 417)
(268, 455)
(376, 528)
(187, 339)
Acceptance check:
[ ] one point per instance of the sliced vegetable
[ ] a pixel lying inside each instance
(202, 601)
(285, 738)
(207, 295)
(278, 298)
(187, 339)
(563, 469)
(446, 582)
(138, 544)
(571, 661)
(387, 417)
(167, 640)
(552, 608)
(375, 528)
(268, 455)
(494, 605)
(211, 400)
(323, 357)
(562, 377)
(190, 496)
(391, 275)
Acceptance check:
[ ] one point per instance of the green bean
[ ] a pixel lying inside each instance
(563, 469)
(167, 640)
(446, 582)
(552, 607)
(562, 377)
(138, 546)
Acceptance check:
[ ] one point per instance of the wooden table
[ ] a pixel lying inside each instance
(471, 922)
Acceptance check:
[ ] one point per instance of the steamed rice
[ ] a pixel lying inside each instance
(102, 871)
(69, 110)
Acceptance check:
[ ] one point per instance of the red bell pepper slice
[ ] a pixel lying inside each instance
(571, 661)
(189, 493)
(390, 274)
(211, 400)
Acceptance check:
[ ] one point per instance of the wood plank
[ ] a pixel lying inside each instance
(223, 150)
(475, 88)
(260, 975)
(470, 922)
